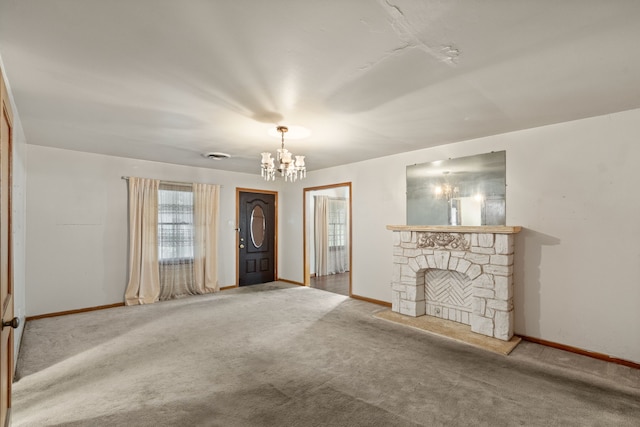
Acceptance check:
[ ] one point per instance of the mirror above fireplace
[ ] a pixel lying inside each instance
(462, 191)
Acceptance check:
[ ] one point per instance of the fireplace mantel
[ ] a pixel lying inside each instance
(495, 229)
(457, 273)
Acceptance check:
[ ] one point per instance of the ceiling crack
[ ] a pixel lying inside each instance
(397, 8)
(395, 51)
(408, 34)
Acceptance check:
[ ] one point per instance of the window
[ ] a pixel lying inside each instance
(173, 240)
(175, 223)
(337, 210)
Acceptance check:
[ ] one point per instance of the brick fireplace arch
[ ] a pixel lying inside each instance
(463, 274)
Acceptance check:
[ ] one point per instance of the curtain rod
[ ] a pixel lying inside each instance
(184, 184)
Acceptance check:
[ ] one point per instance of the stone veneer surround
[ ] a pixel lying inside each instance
(481, 259)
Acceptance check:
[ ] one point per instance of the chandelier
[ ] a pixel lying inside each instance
(446, 191)
(290, 169)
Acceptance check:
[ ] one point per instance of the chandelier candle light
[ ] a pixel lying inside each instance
(446, 191)
(290, 169)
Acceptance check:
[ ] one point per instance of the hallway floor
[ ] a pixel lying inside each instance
(336, 283)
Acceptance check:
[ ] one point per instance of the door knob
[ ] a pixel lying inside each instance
(14, 323)
(241, 246)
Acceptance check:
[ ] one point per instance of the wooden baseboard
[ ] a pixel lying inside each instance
(80, 310)
(371, 300)
(224, 288)
(582, 352)
(290, 281)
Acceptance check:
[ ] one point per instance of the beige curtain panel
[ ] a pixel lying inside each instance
(205, 219)
(144, 281)
(321, 235)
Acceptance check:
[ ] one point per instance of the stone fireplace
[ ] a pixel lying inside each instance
(458, 273)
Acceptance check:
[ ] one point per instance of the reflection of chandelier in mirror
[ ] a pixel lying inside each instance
(290, 169)
(446, 191)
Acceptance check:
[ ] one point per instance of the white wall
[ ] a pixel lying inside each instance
(18, 200)
(573, 186)
(77, 224)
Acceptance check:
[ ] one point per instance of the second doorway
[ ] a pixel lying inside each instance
(327, 242)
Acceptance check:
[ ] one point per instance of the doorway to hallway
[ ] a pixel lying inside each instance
(327, 238)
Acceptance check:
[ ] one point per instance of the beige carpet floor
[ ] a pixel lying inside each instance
(452, 330)
(284, 355)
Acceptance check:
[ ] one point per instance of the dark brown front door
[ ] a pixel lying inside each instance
(256, 237)
(6, 282)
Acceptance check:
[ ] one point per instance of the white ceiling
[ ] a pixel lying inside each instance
(168, 80)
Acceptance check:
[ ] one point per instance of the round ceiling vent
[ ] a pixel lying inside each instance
(216, 155)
